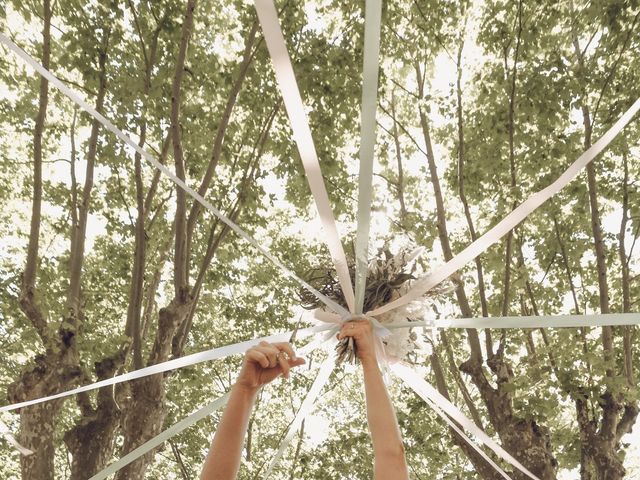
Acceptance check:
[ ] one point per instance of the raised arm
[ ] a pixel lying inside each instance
(261, 365)
(388, 449)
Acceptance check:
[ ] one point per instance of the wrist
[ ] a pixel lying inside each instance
(245, 390)
(369, 362)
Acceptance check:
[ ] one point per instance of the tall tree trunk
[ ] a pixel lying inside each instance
(628, 331)
(58, 368)
(175, 320)
(146, 409)
(28, 301)
(216, 152)
(78, 235)
(215, 240)
(463, 197)
(523, 438)
(600, 438)
(91, 440)
(506, 285)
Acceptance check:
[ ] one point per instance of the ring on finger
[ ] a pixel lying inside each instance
(283, 355)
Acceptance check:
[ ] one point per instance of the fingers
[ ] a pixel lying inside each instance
(271, 352)
(284, 365)
(275, 355)
(296, 362)
(255, 355)
(355, 328)
(287, 348)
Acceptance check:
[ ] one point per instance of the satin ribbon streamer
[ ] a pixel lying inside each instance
(4, 430)
(373, 13)
(422, 388)
(286, 79)
(149, 158)
(163, 437)
(540, 321)
(307, 406)
(510, 221)
(422, 394)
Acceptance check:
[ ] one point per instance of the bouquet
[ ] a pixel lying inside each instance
(388, 278)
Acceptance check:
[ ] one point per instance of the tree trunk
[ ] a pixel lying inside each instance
(28, 302)
(600, 437)
(146, 409)
(523, 438)
(243, 69)
(91, 440)
(58, 368)
(506, 284)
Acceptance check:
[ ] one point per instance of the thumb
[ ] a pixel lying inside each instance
(297, 362)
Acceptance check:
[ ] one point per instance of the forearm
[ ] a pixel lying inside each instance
(385, 434)
(223, 460)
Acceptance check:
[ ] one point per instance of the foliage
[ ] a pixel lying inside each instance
(517, 136)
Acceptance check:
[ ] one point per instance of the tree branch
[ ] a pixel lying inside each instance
(180, 277)
(28, 301)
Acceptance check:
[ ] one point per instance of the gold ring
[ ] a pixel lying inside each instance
(284, 355)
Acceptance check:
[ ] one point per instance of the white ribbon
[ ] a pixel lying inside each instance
(199, 415)
(307, 406)
(286, 79)
(149, 158)
(213, 354)
(331, 327)
(373, 13)
(426, 391)
(11, 440)
(443, 272)
(533, 321)
(163, 437)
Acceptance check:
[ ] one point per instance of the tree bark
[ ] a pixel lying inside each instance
(463, 197)
(91, 440)
(78, 236)
(506, 284)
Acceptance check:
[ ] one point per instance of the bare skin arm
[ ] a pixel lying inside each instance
(388, 449)
(262, 364)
